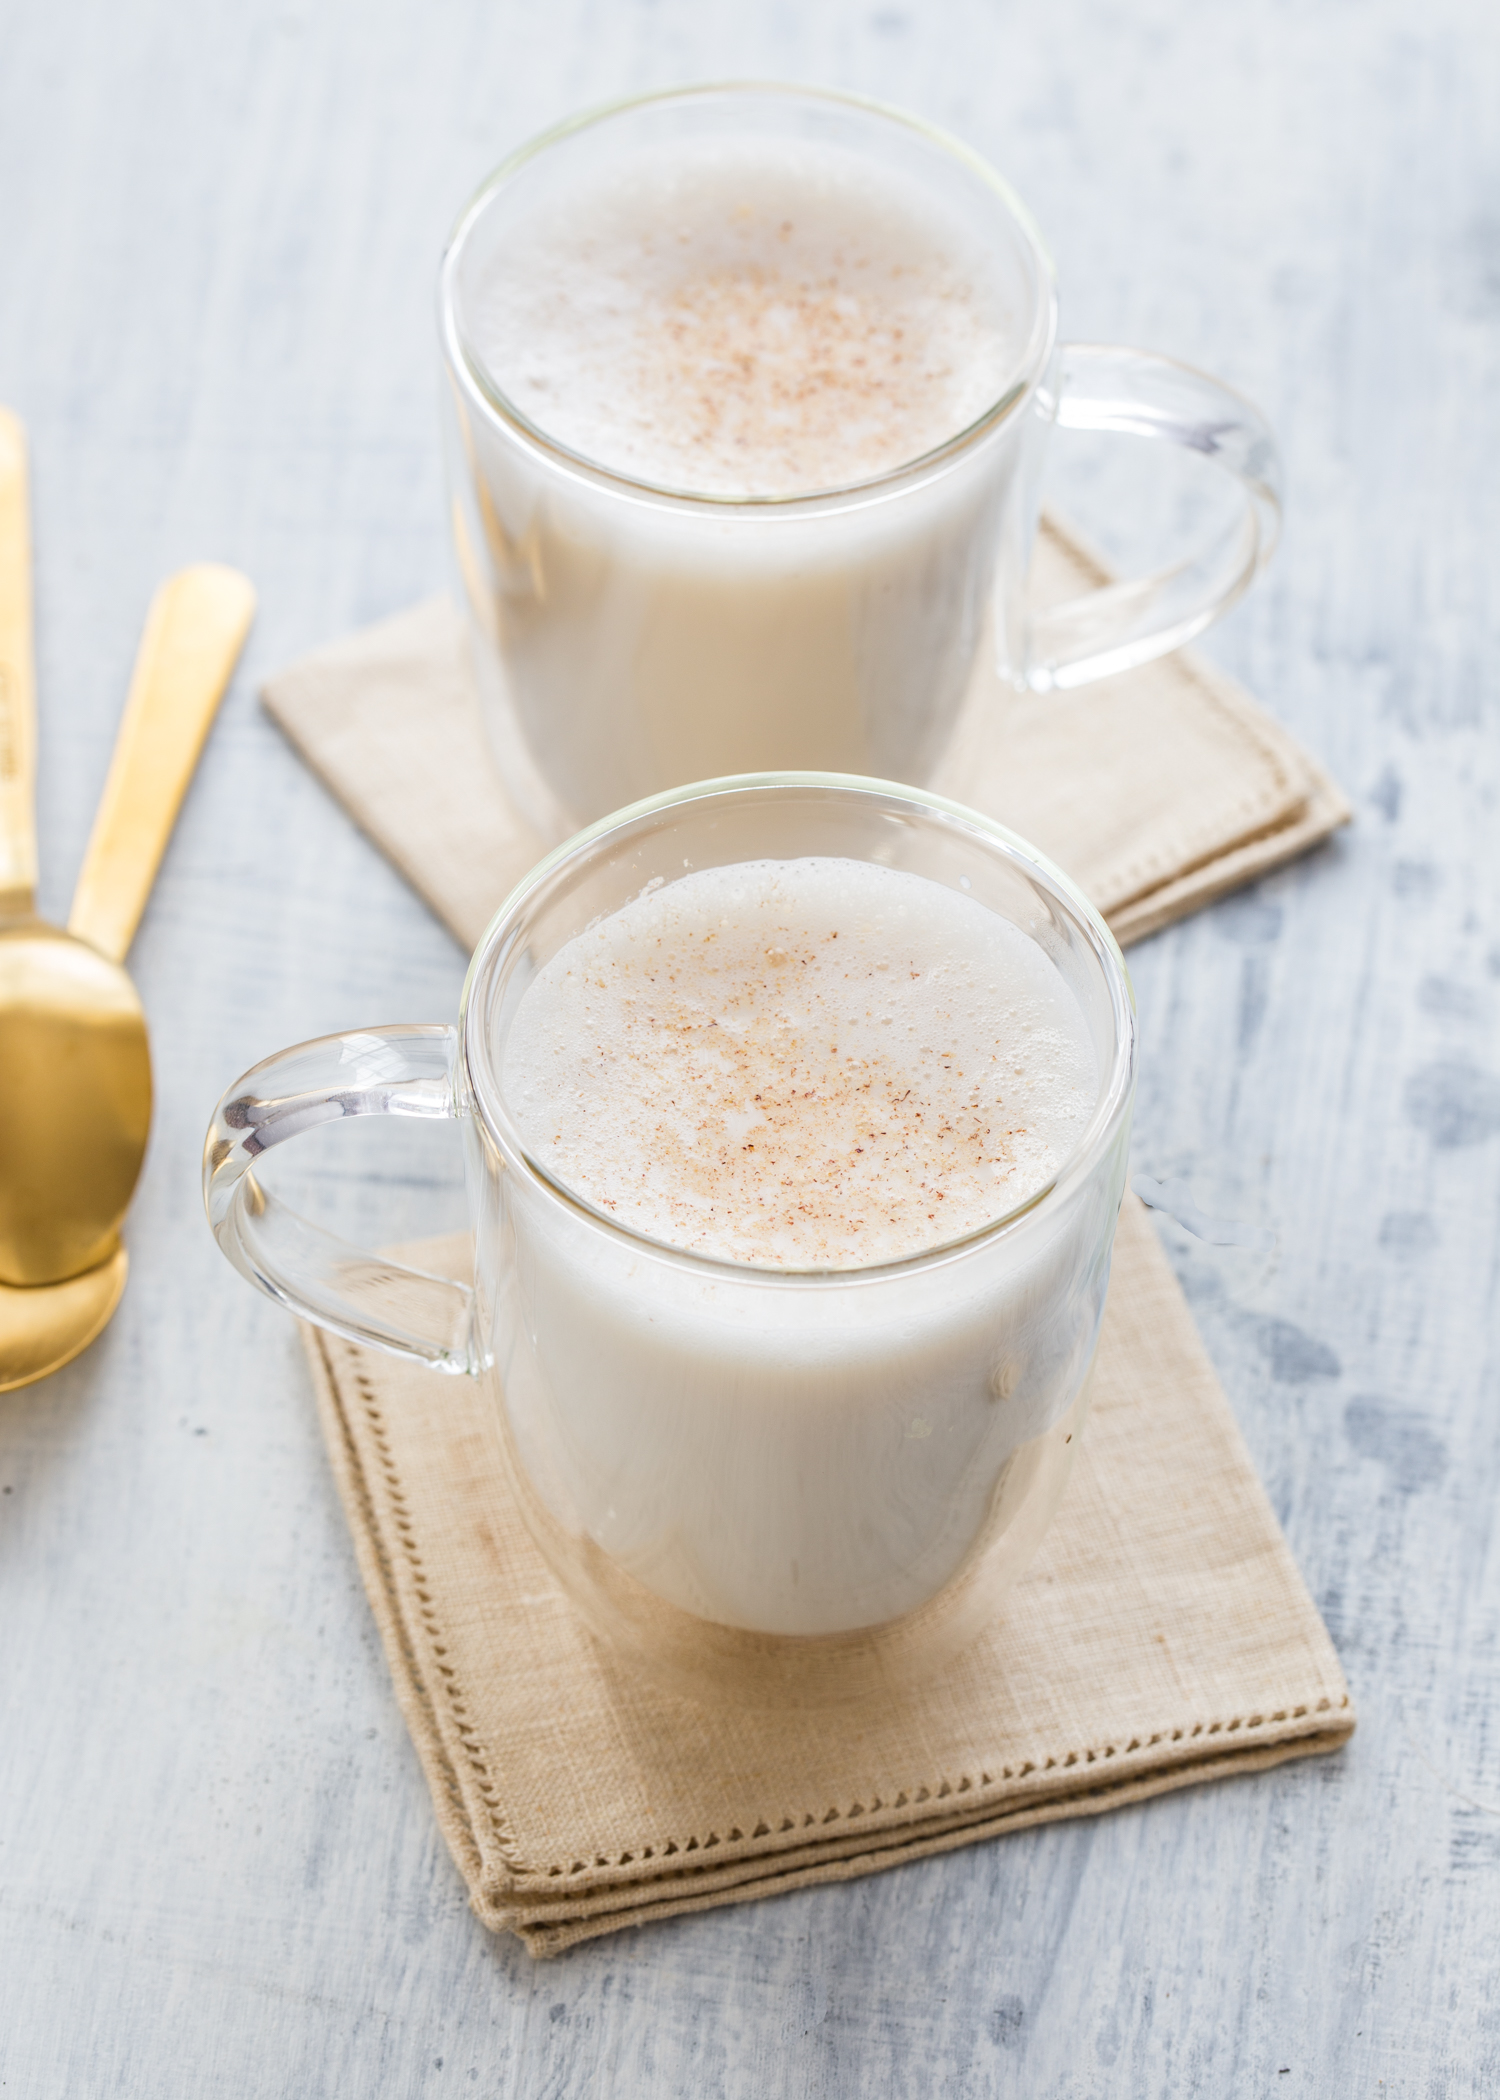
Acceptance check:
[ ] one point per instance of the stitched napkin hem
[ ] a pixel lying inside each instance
(605, 1865)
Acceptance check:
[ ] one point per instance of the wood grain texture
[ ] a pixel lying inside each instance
(218, 1868)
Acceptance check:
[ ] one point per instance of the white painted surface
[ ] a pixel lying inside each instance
(218, 1870)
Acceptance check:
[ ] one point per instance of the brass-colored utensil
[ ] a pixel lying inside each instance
(43, 1328)
(75, 1070)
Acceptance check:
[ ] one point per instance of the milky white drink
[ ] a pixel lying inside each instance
(791, 1066)
(812, 1064)
(743, 320)
(796, 1117)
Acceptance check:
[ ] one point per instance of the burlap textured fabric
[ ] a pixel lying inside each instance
(1163, 1636)
(1158, 790)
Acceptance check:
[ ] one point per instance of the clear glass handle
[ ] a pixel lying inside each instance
(402, 1071)
(1125, 624)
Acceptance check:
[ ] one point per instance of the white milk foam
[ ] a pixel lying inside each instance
(817, 1063)
(745, 318)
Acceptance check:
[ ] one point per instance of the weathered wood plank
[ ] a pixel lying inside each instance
(218, 1870)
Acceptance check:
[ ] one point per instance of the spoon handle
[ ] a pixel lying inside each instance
(17, 681)
(194, 631)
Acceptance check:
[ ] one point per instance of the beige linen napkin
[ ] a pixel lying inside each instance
(1157, 790)
(1162, 1637)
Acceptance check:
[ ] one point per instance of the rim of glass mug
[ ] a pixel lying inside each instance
(1030, 369)
(1115, 625)
(502, 945)
(447, 1071)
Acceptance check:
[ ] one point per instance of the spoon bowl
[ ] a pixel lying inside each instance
(75, 1102)
(43, 1329)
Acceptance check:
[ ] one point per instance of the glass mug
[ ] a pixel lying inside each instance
(629, 637)
(783, 1486)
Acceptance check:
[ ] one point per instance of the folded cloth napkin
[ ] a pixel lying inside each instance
(1162, 1636)
(1157, 790)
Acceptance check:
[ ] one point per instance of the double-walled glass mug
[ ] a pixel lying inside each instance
(628, 636)
(783, 1485)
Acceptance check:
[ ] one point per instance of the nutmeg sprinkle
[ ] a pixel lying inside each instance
(746, 317)
(818, 1064)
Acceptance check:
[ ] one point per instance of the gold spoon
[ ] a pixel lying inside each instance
(43, 1328)
(75, 1069)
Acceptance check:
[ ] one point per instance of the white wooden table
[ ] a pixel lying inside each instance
(218, 1868)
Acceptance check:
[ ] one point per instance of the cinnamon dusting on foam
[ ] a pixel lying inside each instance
(738, 322)
(817, 1063)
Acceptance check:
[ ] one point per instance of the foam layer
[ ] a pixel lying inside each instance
(744, 318)
(814, 1063)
